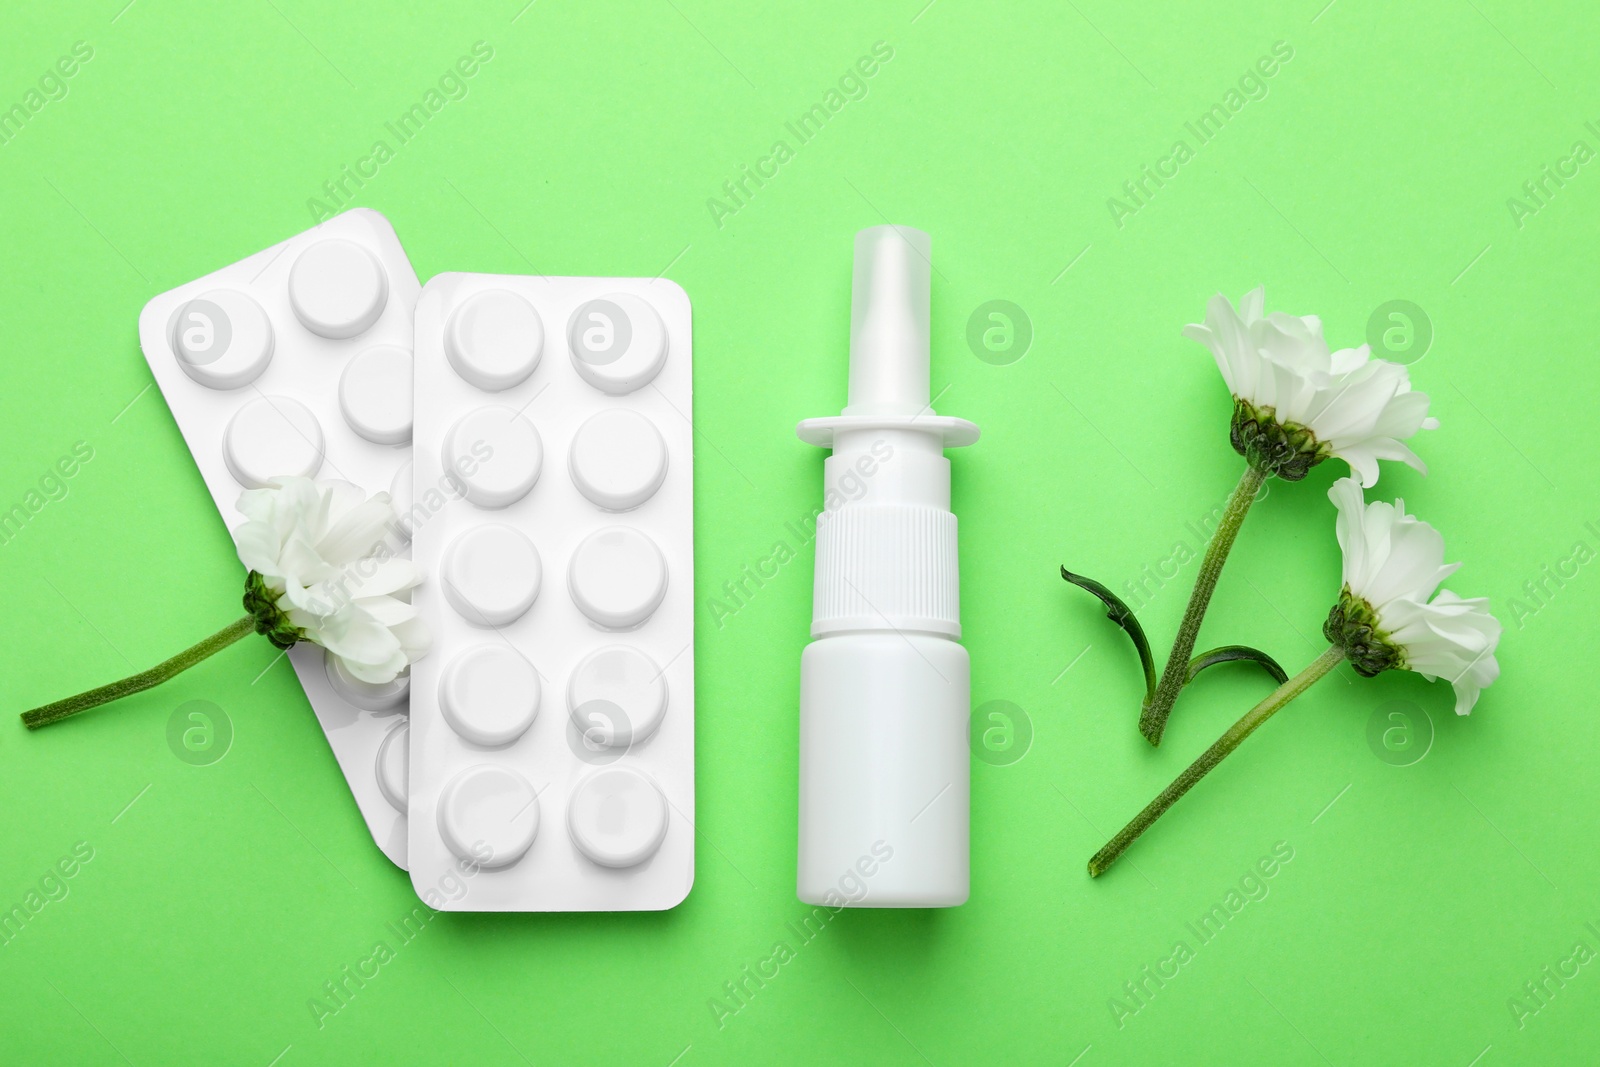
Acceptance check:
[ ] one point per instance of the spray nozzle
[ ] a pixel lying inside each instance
(889, 322)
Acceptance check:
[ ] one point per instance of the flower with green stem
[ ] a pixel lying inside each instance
(320, 570)
(1387, 617)
(1295, 404)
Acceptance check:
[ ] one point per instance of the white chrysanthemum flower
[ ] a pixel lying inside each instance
(1393, 563)
(1296, 403)
(317, 555)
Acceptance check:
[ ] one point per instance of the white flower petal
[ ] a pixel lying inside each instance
(387, 610)
(377, 673)
(1395, 562)
(373, 577)
(318, 546)
(355, 636)
(1359, 407)
(1451, 638)
(356, 531)
(1363, 464)
(1346, 496)
(1349, 359)
(1414, 566)
(1250, 304)
(415, 638)
(1224, 334)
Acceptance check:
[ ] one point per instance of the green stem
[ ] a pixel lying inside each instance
(61, 709)
(1213, 756)
(1153, 718)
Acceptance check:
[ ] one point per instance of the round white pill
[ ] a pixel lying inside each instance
(617, 817)
(490, 694)
(375, 394)
(394, 766)
(618, 342)
(337, 289)
(223, 339)
(617, 577)
(488, 815)
(618, 459)
(616, 697)
(272, 437)
(400, 499)
(493, 456)
(368, 696)
(494, 339)
(491, 574)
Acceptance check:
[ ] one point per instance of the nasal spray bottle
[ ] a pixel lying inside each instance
(884, 684)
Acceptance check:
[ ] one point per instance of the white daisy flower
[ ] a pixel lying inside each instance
(321, 572)
(1296, 403)
(1388, 614)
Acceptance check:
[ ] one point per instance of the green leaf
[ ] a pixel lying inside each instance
(1123, 616)
(1230, 653)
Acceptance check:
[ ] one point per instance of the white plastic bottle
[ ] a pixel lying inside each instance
(884, 684)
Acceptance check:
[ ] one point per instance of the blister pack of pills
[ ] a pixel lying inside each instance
(552, 724)
(297, 361)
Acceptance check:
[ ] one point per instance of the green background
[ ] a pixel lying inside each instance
(1420, 898)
